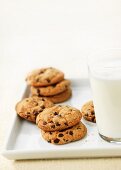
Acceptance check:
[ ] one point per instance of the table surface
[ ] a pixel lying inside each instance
(52, 33)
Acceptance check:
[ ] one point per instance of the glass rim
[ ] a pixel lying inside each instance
(100, 57)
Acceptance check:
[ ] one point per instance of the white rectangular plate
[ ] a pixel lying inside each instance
(25, 141)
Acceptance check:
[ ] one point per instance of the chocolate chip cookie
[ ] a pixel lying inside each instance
(71, 134)
(88, 111)
(50, 90)
(44, 77)
(30, 107)
(58, 117)
(59, 98)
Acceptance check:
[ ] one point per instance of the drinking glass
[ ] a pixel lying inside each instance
(105, 79)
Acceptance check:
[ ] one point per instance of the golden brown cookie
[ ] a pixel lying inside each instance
(58, 117)
(44, 77)
(30, 107)
(71, 134)
(50, 90)
(88, 111)
(61, 97)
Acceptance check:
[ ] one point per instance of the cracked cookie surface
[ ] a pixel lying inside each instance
(58, 117)
(44, 77)
(30, 107)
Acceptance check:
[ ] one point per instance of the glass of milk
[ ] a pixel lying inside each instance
(105, 78)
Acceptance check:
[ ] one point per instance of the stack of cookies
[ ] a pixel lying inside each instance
(50, 83)
(61, 124)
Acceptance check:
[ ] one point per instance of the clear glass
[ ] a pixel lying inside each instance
(105, 78)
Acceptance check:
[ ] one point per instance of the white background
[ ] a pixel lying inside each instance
(60, 33)
(34, 33)
(37, 33)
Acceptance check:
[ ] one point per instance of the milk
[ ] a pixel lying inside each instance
(106, 91)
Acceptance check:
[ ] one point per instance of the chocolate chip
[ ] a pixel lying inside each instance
(35, 113)
(38, 91)
(28, 113)
(49, 141)
(43, 99)
(92, 113)
(44, 123)
(70, 133)
(58, 124)
(43, 107)
(56, 140)
(51, 121)
(60, 135)
(48, 80)
(51, 133)
(42, 71)
(53, 126)
(66, 123)
(55, 113)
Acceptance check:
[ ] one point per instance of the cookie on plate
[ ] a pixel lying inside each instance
(59, 98)
(51, 90)
(29, 108)
(58, 117)
(44, 77)
(71, 134)
(88, 111)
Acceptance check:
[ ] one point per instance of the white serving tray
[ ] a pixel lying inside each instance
(25, 141)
